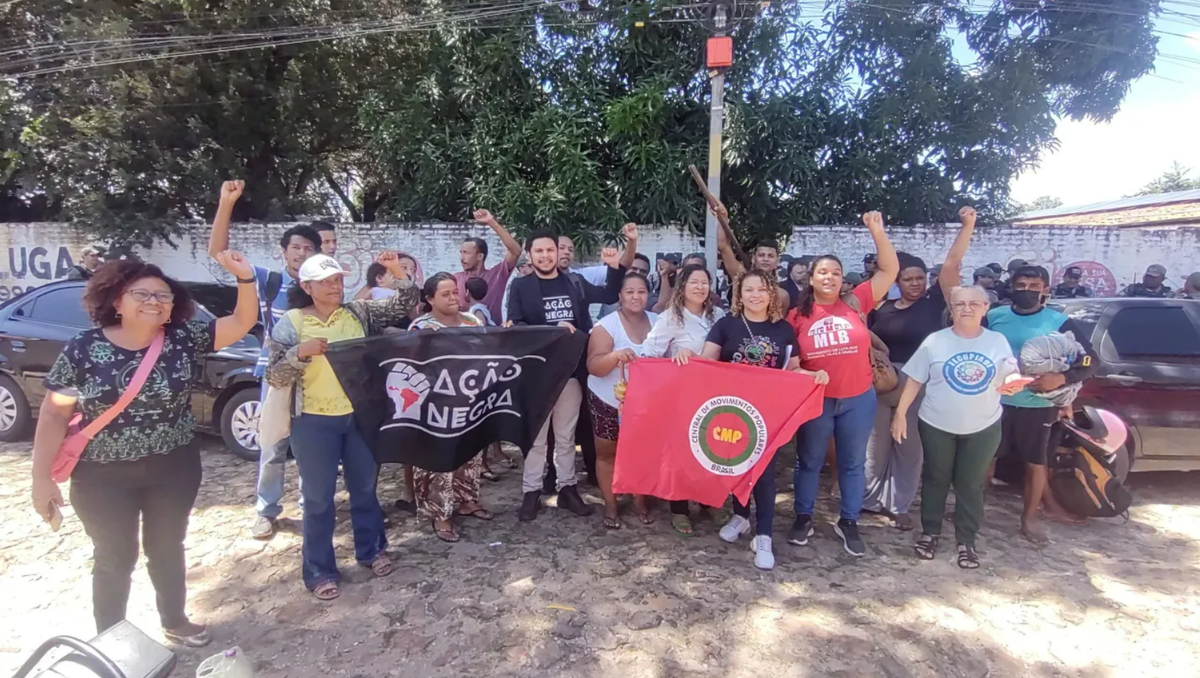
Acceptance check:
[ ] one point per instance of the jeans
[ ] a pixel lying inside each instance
(564, 416)
(848, 421)
(271, 466)
(764, 502)
(319, 443)
(961, 461)
(893, 469)
(111, 499)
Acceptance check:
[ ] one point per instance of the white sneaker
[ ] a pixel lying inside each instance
(736, 527)
(763, 558)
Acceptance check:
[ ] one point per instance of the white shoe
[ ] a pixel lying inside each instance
(736, 527)
(763, 558)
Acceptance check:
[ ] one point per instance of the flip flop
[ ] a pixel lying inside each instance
(612, 523)
(478, 514)
(381, 566)
(449, 536)
(682, 525)
(490, 476)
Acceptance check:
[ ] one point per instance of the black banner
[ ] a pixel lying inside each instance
(434, 399)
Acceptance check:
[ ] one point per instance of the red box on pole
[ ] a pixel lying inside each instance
(720, 52)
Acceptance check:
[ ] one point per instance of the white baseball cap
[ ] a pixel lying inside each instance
(319, 267)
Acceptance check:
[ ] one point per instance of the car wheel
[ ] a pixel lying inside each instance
(239, 424)
(15, 416)
(1123, 463)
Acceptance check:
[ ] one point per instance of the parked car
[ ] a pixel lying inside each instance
(35, 327)
(1149, 374)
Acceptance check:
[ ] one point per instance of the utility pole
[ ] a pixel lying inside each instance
(718, 15)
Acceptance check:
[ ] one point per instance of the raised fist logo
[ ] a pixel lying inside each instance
(407, 388)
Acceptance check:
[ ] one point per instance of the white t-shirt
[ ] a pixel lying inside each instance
(603, 386)
(669, 336)
(960, 377)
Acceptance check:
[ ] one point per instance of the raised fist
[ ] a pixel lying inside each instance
(237, 265)
(630, 231)
(610, 257)
(232, 190)
(484, 217)
(967, 215)
(407, 388)
(391, 261)
(873, 220)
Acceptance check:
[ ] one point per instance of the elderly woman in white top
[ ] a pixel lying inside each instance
(679, 334)
(616, 341)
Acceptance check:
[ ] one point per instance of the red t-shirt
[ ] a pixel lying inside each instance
(835, 339)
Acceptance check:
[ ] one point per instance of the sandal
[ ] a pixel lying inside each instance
(612, 522)
(192, 635)
(490, 476)
(682, 525)
(479, 514)
(903, 522)
(327, 590)
(449, 536)
(926, 547)
(968, 559)
(381, 566)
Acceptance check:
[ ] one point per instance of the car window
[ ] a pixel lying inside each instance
(1154, 331)
(1085, 315)
(61, 307)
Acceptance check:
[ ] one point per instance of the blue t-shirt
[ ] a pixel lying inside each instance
(278, 306)
(1018, 329)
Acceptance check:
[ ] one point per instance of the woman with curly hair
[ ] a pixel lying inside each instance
(144, 466)
(755, 333)
(834, 338)
(679, 333)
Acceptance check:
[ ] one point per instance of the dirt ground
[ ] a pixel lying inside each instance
(563, 596)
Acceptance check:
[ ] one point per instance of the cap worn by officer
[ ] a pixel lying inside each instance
(672, 258)
(1073, 272)
(985, 272)
(870, 259)
(320, 267)
(1157, 271)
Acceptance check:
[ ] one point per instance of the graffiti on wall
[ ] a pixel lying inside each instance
(30, 267)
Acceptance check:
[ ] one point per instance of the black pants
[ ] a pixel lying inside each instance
(110, 499)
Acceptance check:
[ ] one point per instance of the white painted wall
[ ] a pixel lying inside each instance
(34, 254)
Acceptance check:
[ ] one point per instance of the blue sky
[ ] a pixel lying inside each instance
(1158, 123)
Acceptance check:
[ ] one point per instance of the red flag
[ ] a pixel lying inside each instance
(706, 430)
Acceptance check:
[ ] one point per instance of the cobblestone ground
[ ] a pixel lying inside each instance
(563, 596)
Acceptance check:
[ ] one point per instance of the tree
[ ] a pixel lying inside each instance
(1045, 202)
(1174, 179)
(575, 117)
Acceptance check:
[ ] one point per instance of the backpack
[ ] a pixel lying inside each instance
(268, 292)
(1086, 486)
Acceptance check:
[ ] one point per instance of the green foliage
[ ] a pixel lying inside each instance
(553, 117)
(1045, 202)
(1174, 179)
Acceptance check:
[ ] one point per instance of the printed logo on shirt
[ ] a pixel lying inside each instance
(969, 373)
(728, 436)
(558, 309)
(758, 351)
(831, 337)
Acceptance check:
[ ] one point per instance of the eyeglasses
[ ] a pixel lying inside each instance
(142, 296)
(973, 305)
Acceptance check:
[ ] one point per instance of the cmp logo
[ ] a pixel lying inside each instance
(728, 436)
(969, 373)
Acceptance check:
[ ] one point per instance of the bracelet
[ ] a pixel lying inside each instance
(246, 281)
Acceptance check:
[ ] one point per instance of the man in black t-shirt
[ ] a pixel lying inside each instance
(552, 297)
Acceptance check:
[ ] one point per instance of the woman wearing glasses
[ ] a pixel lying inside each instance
(963, 369)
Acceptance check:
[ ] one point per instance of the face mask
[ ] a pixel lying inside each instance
(1026, 300)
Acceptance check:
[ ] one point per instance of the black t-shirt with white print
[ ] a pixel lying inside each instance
(772, 344)
(556, 300)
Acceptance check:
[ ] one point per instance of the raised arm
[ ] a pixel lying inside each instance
(611, 292)
(392, 311)
(665, 290)
(231, 328)
(951, 275)
(889, 265)
(512, 247)
(630, 231)
(218, 239)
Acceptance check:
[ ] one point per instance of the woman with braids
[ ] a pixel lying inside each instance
(834, 338)
(323, 432)
(616, 340)
(679, 333)
(755, 333)
(441, 496)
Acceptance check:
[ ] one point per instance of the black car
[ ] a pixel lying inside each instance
(1149, 374)
(35, 327)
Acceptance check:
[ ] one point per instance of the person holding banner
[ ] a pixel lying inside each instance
(140, 472)
(679, 333)
(323, 432)
(755, 333)
(615, 342)
(833, 334)
(440, 496)
(551, 297)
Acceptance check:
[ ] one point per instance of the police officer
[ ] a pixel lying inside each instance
(1070, 288)
(1151, 284)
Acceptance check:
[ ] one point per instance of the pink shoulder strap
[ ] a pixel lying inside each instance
(131, 391)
